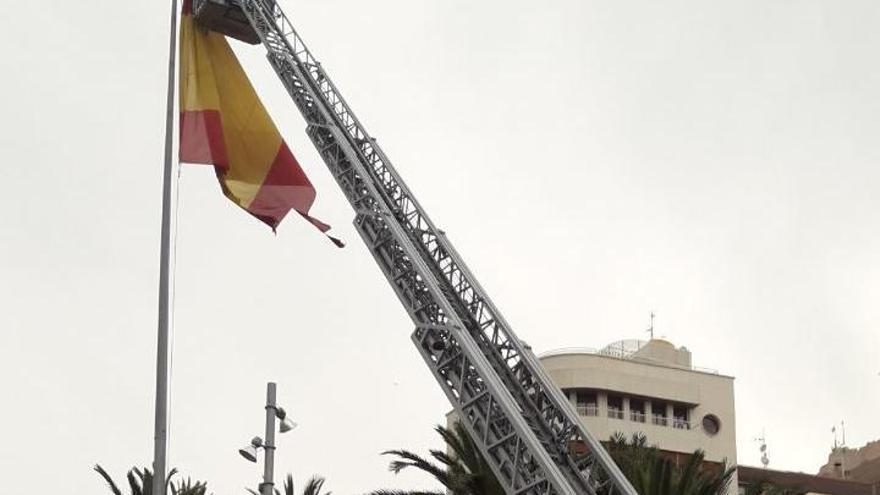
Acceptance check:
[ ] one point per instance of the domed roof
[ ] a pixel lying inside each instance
(664, 352)
(661, 343)
(623, 349)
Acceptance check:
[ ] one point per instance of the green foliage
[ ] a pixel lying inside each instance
(652, 474)
(313, 487)
(461, 471)
(140, 482)
(189, 487)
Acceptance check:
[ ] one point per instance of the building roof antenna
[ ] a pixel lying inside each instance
(763, 439)
(834, 432)
(650, 329)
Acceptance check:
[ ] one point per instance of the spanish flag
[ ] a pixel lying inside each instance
(224, 124)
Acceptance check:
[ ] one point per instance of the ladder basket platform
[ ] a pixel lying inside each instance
(226, 17)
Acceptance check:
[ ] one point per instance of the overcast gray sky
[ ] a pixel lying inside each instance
(592, 160)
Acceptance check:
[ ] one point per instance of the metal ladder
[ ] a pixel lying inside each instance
(524, 426)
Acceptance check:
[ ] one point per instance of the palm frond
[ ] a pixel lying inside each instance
(410, 459)
(167, 480)
(460, 468)
(288, 485)
(108, 479)
(690, 479)
(452, 439)
(189, 487)
(652, 474)
(135, 482)
(313, 486)
(444, 458)
(459, 442)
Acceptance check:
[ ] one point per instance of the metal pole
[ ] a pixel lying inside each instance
(269, 446)
(160, 435)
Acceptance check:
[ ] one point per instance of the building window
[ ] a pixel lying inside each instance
(637, 410)
(587, 403)
(680, 417)
(711, 424)
(658, 413)
(615, 406)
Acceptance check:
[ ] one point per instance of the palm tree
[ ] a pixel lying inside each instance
(313, 487)
(652, 474)
(140, 482)
(464, 471)
(461, 471)
(189, 487)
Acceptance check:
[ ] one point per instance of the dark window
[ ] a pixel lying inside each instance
(658, 413)
(680, 417)
(587, 403)
(615, 406)
(711, 424)
(637, 410)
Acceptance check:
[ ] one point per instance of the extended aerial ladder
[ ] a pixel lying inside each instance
(524, 426)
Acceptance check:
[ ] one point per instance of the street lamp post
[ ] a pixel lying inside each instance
(273, 411)
(269, 445)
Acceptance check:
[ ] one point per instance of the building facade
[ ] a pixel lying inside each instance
(847, 472)
(800, 483)
(861, 464)
(649, 388)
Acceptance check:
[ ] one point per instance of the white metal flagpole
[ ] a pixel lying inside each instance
(162, 349)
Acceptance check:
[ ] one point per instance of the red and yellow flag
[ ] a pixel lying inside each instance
(223, 123)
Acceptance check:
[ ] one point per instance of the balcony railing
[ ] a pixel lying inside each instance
(638, 414)
(588, 410)
(658, 419)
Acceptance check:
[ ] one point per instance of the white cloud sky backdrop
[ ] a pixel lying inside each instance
(714, 161)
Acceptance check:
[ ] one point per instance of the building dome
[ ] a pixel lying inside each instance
(662, 351)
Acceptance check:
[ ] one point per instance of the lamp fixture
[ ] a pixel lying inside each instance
(249, 452)
(286, 424)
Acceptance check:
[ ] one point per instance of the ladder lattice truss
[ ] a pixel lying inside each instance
(522, 423)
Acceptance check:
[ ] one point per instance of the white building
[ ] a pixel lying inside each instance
(652, 388)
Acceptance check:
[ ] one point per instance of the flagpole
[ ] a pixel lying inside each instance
(160, 436)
